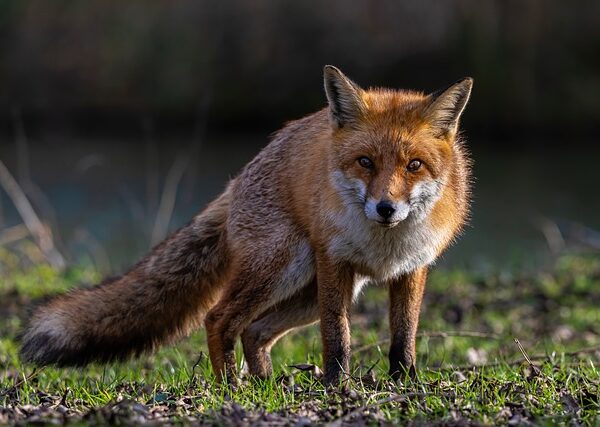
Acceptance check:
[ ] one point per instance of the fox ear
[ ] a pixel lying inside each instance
(447, 105)
(344, 97)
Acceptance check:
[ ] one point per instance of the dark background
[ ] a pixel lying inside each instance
(110, 110)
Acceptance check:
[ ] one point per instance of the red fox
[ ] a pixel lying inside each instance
(371, 188)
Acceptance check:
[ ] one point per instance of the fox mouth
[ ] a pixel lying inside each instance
(388, 224)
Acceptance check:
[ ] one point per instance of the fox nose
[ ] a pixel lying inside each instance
(385, 209)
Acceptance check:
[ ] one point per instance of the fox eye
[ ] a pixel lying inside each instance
(414, 165)
(365, 162)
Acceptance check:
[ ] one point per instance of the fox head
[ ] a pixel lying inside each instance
(393, 151)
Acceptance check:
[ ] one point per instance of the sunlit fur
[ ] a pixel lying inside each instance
(292, 240)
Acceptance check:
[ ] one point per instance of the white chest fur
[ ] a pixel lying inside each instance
(384, 253)
(379, 252)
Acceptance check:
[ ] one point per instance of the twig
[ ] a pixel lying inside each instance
(41, 233)
(95, 249)
(167, 199)
(200, 358)
(519, 361)
(23, 177)
(63, 399)
(152, 176)
(433, 334)
(552, 234)
(21, 382)
(22, 146)
(175, 174)
(522, 350)
(534, 369)
(13, 234)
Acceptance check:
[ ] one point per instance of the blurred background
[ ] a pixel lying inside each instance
(120, 120)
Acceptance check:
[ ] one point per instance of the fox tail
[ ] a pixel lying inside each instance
(160, 299)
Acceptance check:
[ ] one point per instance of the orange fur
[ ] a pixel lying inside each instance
(293, 238)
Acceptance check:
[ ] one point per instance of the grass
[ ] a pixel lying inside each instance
(463, 377)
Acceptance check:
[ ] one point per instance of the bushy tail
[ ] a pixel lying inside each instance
(160, 299)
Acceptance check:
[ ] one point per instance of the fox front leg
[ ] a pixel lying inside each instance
(334, 283)
(406, 294)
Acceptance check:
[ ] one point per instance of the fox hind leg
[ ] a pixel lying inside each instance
(237, 308)
(300, 310)
(252, 292)
(269, 271)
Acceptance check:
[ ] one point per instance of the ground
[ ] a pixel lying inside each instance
(493, 349)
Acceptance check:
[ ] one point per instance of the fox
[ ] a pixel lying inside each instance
(371, 188)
